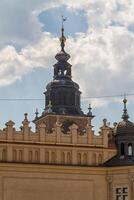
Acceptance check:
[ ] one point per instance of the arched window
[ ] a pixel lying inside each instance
(130, 152)
(85, 159)
(63, 158)
(14, 155)
(36, 156)
(68, 158)
(79, 158)
(4, 155)
(47, 157)
(53, 159)
(122, 148)
(20, 155)
(94, 159)
(30, 156)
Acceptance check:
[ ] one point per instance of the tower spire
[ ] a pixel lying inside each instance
(63, 38)
(125, 115)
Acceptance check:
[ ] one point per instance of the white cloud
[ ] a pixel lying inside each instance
(14, 65)
(102, 58)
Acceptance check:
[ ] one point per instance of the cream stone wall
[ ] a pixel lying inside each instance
(73, 148)
(54, 166)
(39, 182)
(118, 177)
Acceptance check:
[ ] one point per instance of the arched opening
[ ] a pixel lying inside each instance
(14, 155)
(20, 155)
(4, 155)
(85, 159)
(47, 157)
(63, 158)
(53, 159)
(79, 158)
(68, 158)
(130, 151)
(30, 156)
(94, 159)
(122, 149)
(36, 156)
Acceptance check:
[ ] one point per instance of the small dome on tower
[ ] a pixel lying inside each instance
(125, 126)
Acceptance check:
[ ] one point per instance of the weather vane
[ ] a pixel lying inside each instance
(63, 20)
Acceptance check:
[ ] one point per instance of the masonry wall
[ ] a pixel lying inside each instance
(28, 182)
(39, 182)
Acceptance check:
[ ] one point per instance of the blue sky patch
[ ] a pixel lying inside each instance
(76, 21)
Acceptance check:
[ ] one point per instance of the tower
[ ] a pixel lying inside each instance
(124, 137)
(62, 95)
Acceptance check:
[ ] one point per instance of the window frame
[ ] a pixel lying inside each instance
(121, 194)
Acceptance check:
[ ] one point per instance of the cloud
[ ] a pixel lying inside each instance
(14, 65)
(102, 58)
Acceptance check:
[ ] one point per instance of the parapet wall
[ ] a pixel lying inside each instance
(56, 147)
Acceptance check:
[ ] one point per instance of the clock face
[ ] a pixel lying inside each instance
(66, 124)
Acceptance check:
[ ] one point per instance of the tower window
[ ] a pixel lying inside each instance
(122, 148)
(130, 149)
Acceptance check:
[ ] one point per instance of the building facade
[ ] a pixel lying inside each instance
(64, 158)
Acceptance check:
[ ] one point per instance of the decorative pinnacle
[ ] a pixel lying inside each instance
(26, 117)
(125, 115)
(89, 110)
(63, 38)
(36, 113)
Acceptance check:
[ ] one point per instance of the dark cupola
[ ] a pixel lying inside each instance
(124, 138)
(62, 95)
(125, 134)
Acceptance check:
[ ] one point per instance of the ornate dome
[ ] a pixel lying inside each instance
(62, 82)
(126, 127)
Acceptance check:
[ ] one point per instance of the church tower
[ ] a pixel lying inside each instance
(62, 95)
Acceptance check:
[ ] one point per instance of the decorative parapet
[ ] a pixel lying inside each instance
(54, 147)
(73, 136)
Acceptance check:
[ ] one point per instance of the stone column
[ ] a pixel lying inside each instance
(9, 130)
(25, 155)
(89, 134)
(131, 186)
(42, 155)
(26, 128)
(58, 132)
(109, 187)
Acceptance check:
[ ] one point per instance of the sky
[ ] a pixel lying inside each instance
(100, 40)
